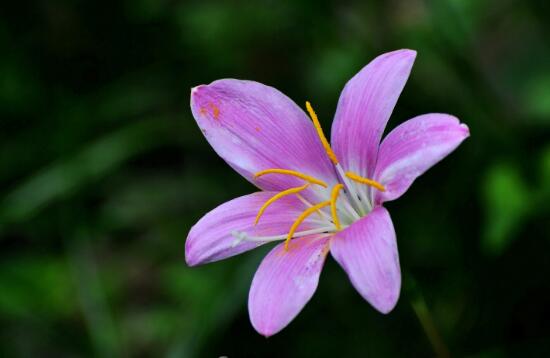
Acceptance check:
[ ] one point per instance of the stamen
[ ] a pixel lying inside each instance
(320, 133)
(293, 173)
(301, 218)
(277, 197)
(333, 198)
(367, 181)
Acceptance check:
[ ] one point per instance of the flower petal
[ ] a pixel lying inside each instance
(364, 108)
(211, 239)
(367, 251)
(284, 283)
(412, 148)
(255, 127)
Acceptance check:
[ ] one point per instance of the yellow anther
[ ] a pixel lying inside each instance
(277, 197)
(320, 133)
(333, 198)
(301, 218)
(293, 173)
(367, 181)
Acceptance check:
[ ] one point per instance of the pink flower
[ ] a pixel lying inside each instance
(313, 197)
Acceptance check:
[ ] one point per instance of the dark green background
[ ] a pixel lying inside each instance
(103, 171)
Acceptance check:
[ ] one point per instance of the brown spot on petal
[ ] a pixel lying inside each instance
(202, 111)
(215, 111)
(258, 129)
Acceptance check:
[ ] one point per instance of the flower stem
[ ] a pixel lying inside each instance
(427, 322)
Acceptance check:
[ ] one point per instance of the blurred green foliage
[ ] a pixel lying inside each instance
(103, 172)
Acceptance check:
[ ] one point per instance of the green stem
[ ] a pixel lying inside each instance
(427, 322)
